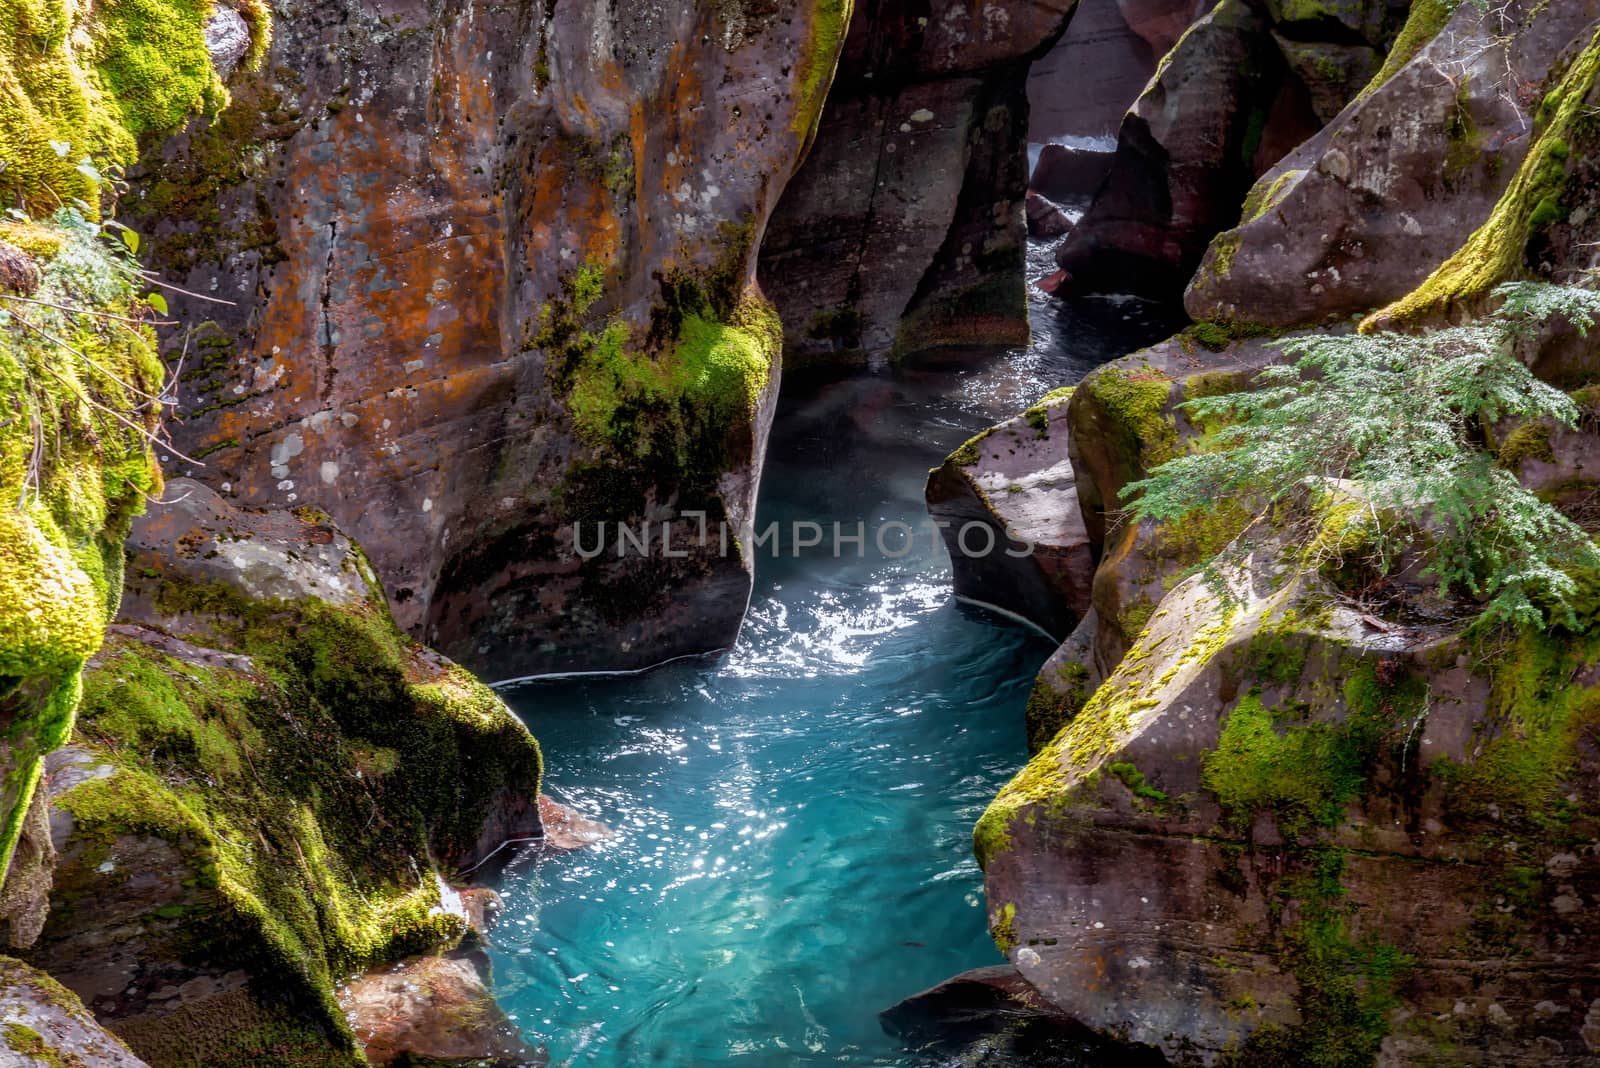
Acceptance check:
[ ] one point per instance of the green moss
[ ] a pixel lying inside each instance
(1530, 441)
(1048, 781)
(97, 79)
(1347, 988)
(1134, 780)
(714, 374)
(1423, 23)
(818, 62)
(1004, 931)
(1136, 616)
(1495, 252)
(79, 87)
(1134, 403)
(969, 453)
(1053, 702)
(72, 476)
(1038, 416)
(675, 393)
(24, 1040)
(1264, 196)
(1522, 762)
(302, 792)
(1217, 335)
(1305, 773)
(152, 57)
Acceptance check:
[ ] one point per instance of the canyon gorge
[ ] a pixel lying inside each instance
(895, 532)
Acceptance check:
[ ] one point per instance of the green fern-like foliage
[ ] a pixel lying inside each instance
(1399, 421)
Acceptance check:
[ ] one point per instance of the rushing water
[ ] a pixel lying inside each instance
(794, 820)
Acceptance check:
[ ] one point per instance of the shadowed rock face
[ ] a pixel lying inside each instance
(904, 231)
(427, 218)
(1101, 64)
(1243, 87)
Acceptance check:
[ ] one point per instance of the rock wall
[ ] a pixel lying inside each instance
(1284, 833)
(1086, 83)
(903, 232)
(490, 275)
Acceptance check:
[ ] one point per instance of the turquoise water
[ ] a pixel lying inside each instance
(794, 819)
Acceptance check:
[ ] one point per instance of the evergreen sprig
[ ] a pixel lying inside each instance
(1403, 418)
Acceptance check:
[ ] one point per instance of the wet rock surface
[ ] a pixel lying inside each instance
(435, 1010)
(993, 1016)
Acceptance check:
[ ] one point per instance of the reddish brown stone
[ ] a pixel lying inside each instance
(392, 208)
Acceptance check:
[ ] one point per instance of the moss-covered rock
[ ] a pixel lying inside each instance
(1435, 152)
(1249, 839)
(1541, 193)
(80, 86)
(75, 464)
(264, 793)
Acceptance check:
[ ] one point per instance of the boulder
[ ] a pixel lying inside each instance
(1240, 90)
(1007, 506)
(566, 829)
(992, 1015)
(1069, 173)
(44, 1025)
(266, 784)
(435, 1009)
(903, 231)
(227, 39)
(1185, 155)
(1046, 220)
(1286, 831)
(457, 294)
(1435, 143)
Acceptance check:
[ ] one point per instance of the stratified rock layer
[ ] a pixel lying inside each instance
(1284, 827)
(489, 272)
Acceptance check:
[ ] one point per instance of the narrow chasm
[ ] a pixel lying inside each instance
(907, 533)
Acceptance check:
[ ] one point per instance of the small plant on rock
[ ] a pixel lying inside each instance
(1387, 434)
